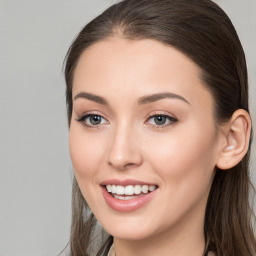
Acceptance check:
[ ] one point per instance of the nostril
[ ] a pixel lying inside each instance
(122, 166)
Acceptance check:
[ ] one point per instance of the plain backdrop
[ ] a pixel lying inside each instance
(35, 168)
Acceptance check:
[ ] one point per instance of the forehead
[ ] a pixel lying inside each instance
(133, 54)
(131, 67)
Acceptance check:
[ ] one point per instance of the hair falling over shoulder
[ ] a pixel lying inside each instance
(202, 31)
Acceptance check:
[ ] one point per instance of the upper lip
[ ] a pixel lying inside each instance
(125, 182)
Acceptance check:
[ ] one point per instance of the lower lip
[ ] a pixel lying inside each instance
(127, 205)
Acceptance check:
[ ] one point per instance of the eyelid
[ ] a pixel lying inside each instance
(81, 119)
(161, 113)
(171, 117)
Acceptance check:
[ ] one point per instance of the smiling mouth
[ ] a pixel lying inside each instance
(129, 192)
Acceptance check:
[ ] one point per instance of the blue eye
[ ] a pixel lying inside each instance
(92, 120)
(161, 120)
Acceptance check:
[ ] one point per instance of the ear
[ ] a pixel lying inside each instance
(235, 140)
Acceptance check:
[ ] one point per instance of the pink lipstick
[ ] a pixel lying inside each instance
(127, 195)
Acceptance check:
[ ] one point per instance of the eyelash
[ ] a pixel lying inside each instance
(172, 120)
(82, 120)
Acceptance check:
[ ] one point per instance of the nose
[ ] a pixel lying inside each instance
(124, 152)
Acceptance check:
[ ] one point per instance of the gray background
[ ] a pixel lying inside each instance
(35, 169)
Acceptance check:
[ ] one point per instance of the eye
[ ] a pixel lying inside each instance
(161, 120)
(92, 120)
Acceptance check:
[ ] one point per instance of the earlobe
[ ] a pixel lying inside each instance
(235, 141)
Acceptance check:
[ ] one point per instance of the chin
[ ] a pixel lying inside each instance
(130, 234)
(131, 228)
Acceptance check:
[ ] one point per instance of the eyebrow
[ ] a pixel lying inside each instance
(160, 96)
(141, 101)
(92, 97)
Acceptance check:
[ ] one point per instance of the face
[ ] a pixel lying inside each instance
(143, 139)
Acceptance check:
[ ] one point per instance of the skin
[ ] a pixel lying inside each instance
(179, 157)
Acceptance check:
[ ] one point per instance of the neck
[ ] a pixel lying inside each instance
(176, 247)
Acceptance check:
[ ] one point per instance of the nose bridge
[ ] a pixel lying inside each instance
(123, 149)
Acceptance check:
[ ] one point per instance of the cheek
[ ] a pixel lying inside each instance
(185, 155)
(185, 162)
(86, 152)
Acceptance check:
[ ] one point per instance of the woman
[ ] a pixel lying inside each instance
(160, 131)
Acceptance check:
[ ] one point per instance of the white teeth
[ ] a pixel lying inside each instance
(137, 189)
(129, 190)
(124, 197)
(151, 188)
(119, 190)
(109, 188)
(113, 189)
(144, 189)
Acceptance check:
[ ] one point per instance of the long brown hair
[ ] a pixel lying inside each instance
(202, 31)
